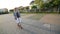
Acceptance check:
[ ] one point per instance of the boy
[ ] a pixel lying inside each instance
(17, 17)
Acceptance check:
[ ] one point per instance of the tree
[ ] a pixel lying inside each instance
(34, 7)
(39, 3)
(11, 10)
(32, 2)
(47, 3)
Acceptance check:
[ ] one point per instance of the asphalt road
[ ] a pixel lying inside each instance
(8, 26)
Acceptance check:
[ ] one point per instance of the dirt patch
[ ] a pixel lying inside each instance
(51, 19)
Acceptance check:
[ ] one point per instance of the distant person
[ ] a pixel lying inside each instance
(17, 17)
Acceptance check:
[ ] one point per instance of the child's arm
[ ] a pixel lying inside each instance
(15, 17)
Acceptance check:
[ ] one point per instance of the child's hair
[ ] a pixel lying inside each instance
(16, 9)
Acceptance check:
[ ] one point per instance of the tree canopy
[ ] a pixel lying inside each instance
(47, 3)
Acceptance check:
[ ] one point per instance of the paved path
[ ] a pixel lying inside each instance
(8, 26)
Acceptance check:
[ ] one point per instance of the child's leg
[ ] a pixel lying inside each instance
(19, 19)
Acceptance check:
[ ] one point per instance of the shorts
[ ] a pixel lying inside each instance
(18, 20)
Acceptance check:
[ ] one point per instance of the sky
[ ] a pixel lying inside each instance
(10, 4)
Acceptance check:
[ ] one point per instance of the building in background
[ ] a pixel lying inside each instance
(3, 11)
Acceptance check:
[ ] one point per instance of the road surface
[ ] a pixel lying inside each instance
(31, 26)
